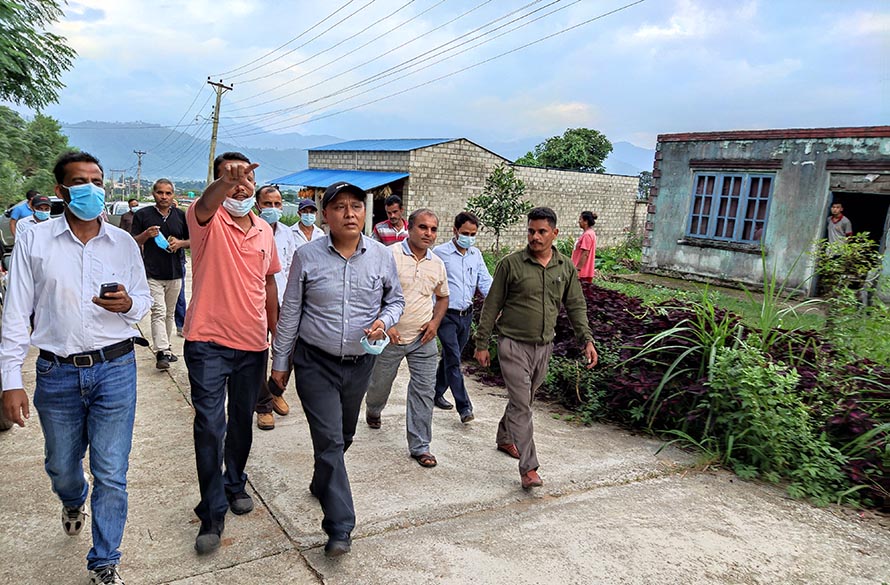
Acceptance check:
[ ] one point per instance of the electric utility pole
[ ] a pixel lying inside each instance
(139, 153)
(220, 89)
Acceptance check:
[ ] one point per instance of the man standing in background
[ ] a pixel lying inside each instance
(127, 218)
(21, 210)
(41, 206)
(163, 234)
(306, 230)
(839, 226)
(467, 273)
(270, 205)
(394, 228)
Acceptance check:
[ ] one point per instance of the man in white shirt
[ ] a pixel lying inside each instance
(270, 208)
(306, 230)
(86, 373)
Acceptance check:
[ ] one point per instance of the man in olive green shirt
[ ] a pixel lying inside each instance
(527, 290)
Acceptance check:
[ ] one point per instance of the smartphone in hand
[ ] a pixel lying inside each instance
(107, 287)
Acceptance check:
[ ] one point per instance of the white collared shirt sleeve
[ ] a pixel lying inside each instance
(18, 304)
(136, 285)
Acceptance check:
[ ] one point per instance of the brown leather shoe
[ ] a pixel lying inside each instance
(265, 421)
(510, 449)
(279, 405)
(373, 421)
(531, 480)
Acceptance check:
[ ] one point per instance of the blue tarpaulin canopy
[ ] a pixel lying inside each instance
(321, 178)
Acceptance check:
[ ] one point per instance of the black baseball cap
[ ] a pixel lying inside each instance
(341, 187)
(40, 200)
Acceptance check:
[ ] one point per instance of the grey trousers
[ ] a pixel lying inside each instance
(523, 366)
(422, 361)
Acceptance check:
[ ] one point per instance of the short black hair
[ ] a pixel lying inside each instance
(73, 156)
(31, 193)
(464, 217)
(224, 157)
(412, 219)
(393, 200)
(265, 188)
(132, 199)
(543, 213)
(589, 217)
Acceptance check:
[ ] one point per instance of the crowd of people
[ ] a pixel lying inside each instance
(342, 311)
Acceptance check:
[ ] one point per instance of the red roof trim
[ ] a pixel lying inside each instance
(851, 132)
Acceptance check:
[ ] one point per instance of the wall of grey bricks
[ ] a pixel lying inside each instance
(444, 176)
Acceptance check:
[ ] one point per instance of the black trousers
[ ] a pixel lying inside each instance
(331, 390)
(216, 371)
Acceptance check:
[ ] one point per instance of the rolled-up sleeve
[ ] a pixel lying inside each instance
(18, 305)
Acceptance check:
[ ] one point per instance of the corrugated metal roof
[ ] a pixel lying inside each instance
(388, 144)
(366, 180)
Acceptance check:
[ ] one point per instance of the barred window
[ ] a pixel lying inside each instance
(729, 206)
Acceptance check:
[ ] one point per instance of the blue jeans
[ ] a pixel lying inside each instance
(454, 332)
(215, 372)
(179, 315)
(90, 407)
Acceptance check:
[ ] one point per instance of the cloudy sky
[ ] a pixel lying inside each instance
(392, 68)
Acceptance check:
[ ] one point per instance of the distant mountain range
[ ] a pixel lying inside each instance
(179, 156)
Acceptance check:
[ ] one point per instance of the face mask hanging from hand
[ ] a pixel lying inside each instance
(374, 347)
(238, 208)
(87, 201)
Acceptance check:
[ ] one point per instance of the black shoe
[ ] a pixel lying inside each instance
(440, 402)
(170, 357)
(337, 545)
(209, 537)
(240, 503)
(163, 362)
(467, 417)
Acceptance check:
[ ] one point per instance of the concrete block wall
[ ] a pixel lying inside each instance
(445, 176)
(612, 197)
(370, 160)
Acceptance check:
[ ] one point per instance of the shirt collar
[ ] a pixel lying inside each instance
(227, 219)
(407, 250)
(60, 227)
(363, 245)
(557, 257)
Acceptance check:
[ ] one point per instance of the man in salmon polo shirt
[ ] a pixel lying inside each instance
(234, 306)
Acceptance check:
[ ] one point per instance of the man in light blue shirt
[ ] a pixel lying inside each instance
(342, 288)
(467, 273)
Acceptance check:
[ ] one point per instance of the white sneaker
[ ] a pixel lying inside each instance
(107, 575)
(74, 519)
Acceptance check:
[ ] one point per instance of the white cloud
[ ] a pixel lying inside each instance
(693, 20)
(864, 24)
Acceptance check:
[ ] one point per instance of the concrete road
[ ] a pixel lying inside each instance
(610, 511)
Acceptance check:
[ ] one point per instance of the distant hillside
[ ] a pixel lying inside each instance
(629, 159)
(179, 156)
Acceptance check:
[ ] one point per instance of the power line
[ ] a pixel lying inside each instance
(181, 134)
(317, 24)
(178, 157)
(467, 68)
(327, 30)
(220, 88)
(408, 64)
(334, 46)
(169, 134)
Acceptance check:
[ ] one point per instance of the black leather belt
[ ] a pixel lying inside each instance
(89, 358)
(462, 313)
(343, 359)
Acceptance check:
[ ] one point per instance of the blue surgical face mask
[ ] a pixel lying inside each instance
(307, 219)
(41, 215)
(271, 214)
(87, 201)
(466, 242)
(161, 242)
(239, 207)
(374, 347)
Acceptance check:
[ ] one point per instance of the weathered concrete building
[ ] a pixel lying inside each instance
(443, 174)
(718, 198)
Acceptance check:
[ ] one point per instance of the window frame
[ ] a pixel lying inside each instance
(716, 218)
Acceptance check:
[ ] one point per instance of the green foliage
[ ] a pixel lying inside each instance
(31, 61)
(565, 246)
(28, 151)
(578, 149)
(644, 185)
(571, 384)
(625, 257)
(765, 430)
(845, 262)
(289, 220)
(501, 204)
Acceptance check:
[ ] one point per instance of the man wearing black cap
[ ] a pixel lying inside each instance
(40, 205)
(342, 296)
(306, 230)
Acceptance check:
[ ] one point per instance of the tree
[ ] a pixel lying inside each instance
(31, 60)
(501, 204)
(578, 149)
(28, 151)
(644, 185)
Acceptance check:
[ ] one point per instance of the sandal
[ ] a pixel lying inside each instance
(425, 459)
(373, 421)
